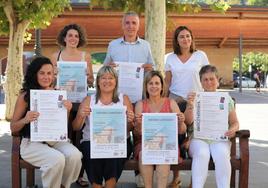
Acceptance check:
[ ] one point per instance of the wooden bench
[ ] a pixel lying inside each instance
(239, 162)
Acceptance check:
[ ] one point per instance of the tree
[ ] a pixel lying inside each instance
(153, 8)
(16, 16)
(258, 2)
(257, 60)
(155, 15)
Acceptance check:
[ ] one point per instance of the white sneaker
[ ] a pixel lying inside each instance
(139, 181)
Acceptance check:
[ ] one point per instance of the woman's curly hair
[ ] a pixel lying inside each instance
(63, 33)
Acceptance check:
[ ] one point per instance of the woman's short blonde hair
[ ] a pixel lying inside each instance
(103, 70)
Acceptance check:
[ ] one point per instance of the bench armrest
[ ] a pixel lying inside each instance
(243, 134)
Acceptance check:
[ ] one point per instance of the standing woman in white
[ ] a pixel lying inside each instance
(182, 75)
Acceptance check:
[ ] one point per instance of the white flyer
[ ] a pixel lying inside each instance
(211, 115)
(130, 80)
(159, 138)
(51, 124)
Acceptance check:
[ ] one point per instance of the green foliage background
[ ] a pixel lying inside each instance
(38, 12)
(255, 59)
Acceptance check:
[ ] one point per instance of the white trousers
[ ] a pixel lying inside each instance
(60, 164)
(200, 152)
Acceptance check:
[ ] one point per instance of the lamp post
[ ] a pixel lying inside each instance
(240, 62)
(37, 46)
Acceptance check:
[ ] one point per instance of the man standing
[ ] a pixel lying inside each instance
(130, 47)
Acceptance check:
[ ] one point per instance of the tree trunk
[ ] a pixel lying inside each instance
(155, 29)
(14, 70)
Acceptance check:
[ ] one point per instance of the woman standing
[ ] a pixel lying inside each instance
(60, 163)
(155, 102)
(70, 38)
(182, 74)
(106, 95)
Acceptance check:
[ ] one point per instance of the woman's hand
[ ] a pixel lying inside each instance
(138, 120)
(31, 116)
(67, 104)
(112, 64)
(147, 67)
(181, 117)
(84, 111)
(130, 116)
(231, 132)
(190, 99)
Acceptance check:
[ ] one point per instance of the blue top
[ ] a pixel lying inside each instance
(122, 51)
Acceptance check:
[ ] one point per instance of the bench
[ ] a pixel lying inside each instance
(239, 162)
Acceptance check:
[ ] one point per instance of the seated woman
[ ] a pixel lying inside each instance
(60, 163)
(201, 149)
(155, 102)
(106, 95)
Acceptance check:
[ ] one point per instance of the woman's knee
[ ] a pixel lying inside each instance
(201, 154)
(221, 153)
(162, 173)
(75, 155)
(59, 160)
(54, 160)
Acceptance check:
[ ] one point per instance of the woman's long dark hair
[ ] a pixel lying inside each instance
(30, 78)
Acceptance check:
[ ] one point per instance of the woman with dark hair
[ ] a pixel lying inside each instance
(182, 66)
(181, 75)
(106, 95)
(70, 38)
(60, 163)
(154, 102)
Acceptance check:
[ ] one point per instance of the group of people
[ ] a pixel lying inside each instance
(187, 71)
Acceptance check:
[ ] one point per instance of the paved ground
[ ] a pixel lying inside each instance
(252, 111)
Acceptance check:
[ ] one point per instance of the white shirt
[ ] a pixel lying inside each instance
(185, 76)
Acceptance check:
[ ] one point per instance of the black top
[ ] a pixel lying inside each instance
(25, 131)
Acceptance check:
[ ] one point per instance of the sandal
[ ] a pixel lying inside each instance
(175, 183)
(82, 182)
